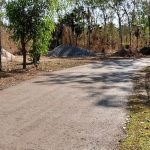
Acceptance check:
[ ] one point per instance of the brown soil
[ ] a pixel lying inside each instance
(13, 72)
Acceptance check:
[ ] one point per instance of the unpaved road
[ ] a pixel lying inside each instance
(81, 108)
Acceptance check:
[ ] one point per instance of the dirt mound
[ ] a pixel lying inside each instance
(145, 51)
(124, 53)
(6, 56)
(70, 51)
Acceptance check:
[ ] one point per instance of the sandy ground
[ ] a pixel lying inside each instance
(82, 108)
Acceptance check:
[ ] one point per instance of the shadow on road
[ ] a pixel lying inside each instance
(106, 83)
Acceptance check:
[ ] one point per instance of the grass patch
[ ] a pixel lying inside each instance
(138, 128)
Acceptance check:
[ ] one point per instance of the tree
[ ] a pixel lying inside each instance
(26, 17)
(121, 17)
(116, 6)
(75, 21)
(127, 8)
(42, 28)
(1, 15)
(148, 4)
(0, 47)
(42, 38)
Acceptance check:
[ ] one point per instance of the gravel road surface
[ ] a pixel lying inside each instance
(82, 108)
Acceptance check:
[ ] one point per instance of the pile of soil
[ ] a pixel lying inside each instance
(124, 53)
(70, 51)
(7, 56)
(145, 51)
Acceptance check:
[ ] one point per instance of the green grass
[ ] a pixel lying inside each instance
(138, 128)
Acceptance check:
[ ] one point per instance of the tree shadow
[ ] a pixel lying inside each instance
(111, 101)
(5, 75)
(98, 83)
(8, 74)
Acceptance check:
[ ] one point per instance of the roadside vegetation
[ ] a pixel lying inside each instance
(138, 127)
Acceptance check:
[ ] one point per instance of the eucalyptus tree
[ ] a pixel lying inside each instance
(148, 5)
(127, 9)
(116, 5)
(26, 18)
(139, 19)
(106, 15)
(75, 20)
(0, 44)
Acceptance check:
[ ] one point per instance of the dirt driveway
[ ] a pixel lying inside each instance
(82, 108)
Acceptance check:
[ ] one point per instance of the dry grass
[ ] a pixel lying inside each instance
(138, 128)
(13, 72)
(55, 64)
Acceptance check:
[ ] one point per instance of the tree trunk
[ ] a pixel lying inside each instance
(24, 53)
(89, 36)
(0, 51)
(130, 33)
(89, 29)
(84, 37)
(129, 27)
(70, 36)
(137, 41)
(105, 24)
(34, 52)
(76, 40)
(149, 22)
(120, 31)
(149, 29)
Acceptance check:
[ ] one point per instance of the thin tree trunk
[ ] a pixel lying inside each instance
(24, 53)
(120, 31)
(0, 51)
(70, 37)
(76, 40)
(130, 33)
(149, 31)
(89, 28)
(34, 52)
(89, 37)
(137, 40)
(84, 36)
(149, 23)
(129, 27)
(105, 23)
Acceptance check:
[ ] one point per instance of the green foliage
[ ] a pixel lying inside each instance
(43, 37)
(2, 3)
(19, 13)
(75, 19)
(26, 15)
(32, 20)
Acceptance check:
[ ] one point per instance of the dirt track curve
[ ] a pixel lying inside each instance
(82, 108)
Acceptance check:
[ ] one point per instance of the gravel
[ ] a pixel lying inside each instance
(70, 51)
